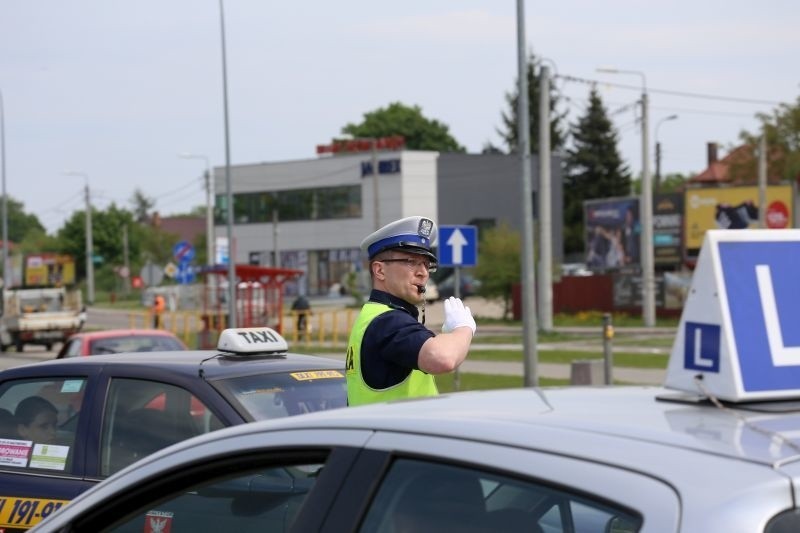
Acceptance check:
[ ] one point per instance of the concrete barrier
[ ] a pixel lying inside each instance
(587, 372)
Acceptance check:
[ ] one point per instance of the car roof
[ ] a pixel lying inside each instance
(214, 363)
(625, 425)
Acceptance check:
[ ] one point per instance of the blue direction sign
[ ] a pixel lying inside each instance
(185, 273)
(458, 246)
(183, 252)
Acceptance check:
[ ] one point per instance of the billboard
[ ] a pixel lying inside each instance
(612, 233)
(49, 270)
(668, 229)
(732, 208)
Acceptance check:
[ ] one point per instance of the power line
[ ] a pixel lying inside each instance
(671, 92)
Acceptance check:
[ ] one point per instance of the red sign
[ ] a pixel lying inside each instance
(394, 142)
(777, 215)
(137, 282)
(158, 522)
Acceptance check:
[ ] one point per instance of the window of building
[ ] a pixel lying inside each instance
(322, 203)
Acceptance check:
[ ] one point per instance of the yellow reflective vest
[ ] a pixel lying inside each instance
(417, 383)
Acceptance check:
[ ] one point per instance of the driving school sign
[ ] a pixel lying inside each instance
(738, 331)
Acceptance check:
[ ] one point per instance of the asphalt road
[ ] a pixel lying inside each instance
(110, 318)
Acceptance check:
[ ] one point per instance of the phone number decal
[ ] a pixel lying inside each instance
(26, 512)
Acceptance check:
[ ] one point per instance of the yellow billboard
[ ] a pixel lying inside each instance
(49, 270)
(732, 208)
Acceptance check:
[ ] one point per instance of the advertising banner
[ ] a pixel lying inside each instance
(733, 208)
(612, 233)
(668, 229)
(49, 270)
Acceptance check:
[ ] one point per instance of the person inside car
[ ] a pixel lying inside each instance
(36, 420)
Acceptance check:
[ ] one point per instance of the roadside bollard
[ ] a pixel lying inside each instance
(608, 356)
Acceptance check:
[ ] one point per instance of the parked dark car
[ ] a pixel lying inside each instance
(67, 424)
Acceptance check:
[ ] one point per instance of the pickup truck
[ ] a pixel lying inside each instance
(39, 316)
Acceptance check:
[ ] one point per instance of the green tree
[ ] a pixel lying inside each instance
(142, 205)
(594, 169)
(107, 241)
(21, 223)
(499, 260)
(420, 133)
(782, 129)
(508, 130)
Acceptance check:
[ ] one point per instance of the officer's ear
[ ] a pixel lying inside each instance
(376, 269)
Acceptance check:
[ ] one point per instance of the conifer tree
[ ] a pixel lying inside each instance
(594, 169)
(508, 130)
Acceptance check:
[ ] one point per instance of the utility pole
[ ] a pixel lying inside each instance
(8, 279)
(127, 279)
(209, 216)
(276, 250)
(529, 333)
(228, 191)
(645, 210)
(646, 206)
(545, 215)
(762, 181)
(89, 249)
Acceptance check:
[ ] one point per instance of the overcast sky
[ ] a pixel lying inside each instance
(115, 89)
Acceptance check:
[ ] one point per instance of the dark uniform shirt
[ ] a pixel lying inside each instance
(395, 338)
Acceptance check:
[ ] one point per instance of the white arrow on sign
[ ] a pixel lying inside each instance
(457, 241)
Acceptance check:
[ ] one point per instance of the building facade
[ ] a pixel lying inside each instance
(313, 214)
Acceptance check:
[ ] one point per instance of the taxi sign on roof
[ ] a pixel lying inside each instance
(738, 329)
(251, 341)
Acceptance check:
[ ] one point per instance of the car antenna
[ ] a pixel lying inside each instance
(200, 372)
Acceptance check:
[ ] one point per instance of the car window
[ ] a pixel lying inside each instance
(137, 343)
(267, 396)
(254, 499)
(38, 422)
(141, 417)
(421, 496)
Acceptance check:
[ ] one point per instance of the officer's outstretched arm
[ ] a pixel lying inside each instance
(445, 352)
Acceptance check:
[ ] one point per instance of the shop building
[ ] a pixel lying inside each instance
(313, 214)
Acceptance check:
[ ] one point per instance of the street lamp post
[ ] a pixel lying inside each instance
(89, 239)
(658, 153)
(209, 206)
(228, 191)
(6, 268)
(645, 209)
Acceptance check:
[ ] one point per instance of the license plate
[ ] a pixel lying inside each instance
(48, 335)
(25, 513)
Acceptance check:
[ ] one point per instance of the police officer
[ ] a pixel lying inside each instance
(390, 354)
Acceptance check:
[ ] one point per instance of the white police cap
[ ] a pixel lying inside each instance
(415, 235)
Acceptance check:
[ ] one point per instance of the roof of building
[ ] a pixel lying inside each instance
(187, 228)
(719, 172)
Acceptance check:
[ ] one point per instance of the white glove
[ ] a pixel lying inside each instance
(457, 316)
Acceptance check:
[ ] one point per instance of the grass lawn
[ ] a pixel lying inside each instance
(634, 360)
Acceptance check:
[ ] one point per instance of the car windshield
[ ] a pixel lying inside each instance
(138, 343)
(278, 395)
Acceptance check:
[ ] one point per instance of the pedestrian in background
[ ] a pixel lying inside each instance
(159, 304)
(390, 354)
(302, 307)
